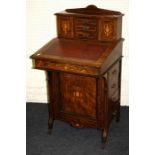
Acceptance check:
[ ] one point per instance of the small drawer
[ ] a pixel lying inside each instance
(85, 35)
(85, 21)
(115, 97)
(85, 28)
(112, 87)
(113, 79)
(45, 64)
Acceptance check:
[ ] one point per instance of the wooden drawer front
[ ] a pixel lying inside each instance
(78, 95)
(65, 26)
(113, 80)
(85, 28)
(115, 96)
(108, 30)
(42, 64)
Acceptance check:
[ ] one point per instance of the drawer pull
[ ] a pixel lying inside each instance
(76, 94)
(113, 85)
(114, 72)
(114, 98)
(85, 28)
(66, 67)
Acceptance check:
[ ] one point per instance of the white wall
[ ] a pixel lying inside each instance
(41, 27)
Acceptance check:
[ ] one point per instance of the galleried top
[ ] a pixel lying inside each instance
(90, 23)
(92, 10)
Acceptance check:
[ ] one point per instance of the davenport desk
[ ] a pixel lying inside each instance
(83, 66)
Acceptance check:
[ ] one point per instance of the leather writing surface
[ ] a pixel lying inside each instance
(75, 49)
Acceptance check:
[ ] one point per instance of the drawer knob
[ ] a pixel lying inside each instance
(114, 98)
(66, 67)
(113, 85)
(76, 94)
(114, 72)
(86, 35)
(85, 28)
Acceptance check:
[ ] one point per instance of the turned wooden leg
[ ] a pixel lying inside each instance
(51, 100)
(50, 125)
(104, 135)
(118, 114)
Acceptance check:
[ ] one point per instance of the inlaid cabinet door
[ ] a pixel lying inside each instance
(78, 95)
(65, 26)
(108, 29)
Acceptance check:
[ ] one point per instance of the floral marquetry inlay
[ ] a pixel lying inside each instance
(78, 94)
(65, 27)
(64, 67)
(108, 29)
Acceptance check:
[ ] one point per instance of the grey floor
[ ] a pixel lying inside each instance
(66, 140)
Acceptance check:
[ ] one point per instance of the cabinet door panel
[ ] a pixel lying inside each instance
(108, 29)
(65, 26)
(78, 95)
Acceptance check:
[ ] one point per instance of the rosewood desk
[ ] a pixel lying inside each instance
(83, 66)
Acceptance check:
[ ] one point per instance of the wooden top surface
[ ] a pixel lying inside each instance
(75, 51)
(91, 10)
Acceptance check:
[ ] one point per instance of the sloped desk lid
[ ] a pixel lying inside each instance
(77, 52)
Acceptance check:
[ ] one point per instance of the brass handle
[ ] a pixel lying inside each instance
(85, 22)
(114, 72)
(86, 35)
(114, 99)
(76, 93)
(86, 28)
(65, 67)
(113, 85)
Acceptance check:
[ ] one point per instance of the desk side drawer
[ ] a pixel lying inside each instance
(72, 68)
(113, 80)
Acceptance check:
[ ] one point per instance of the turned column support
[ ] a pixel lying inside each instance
(104, 135)
(49, 76)
(103, 107)
(119, 106)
